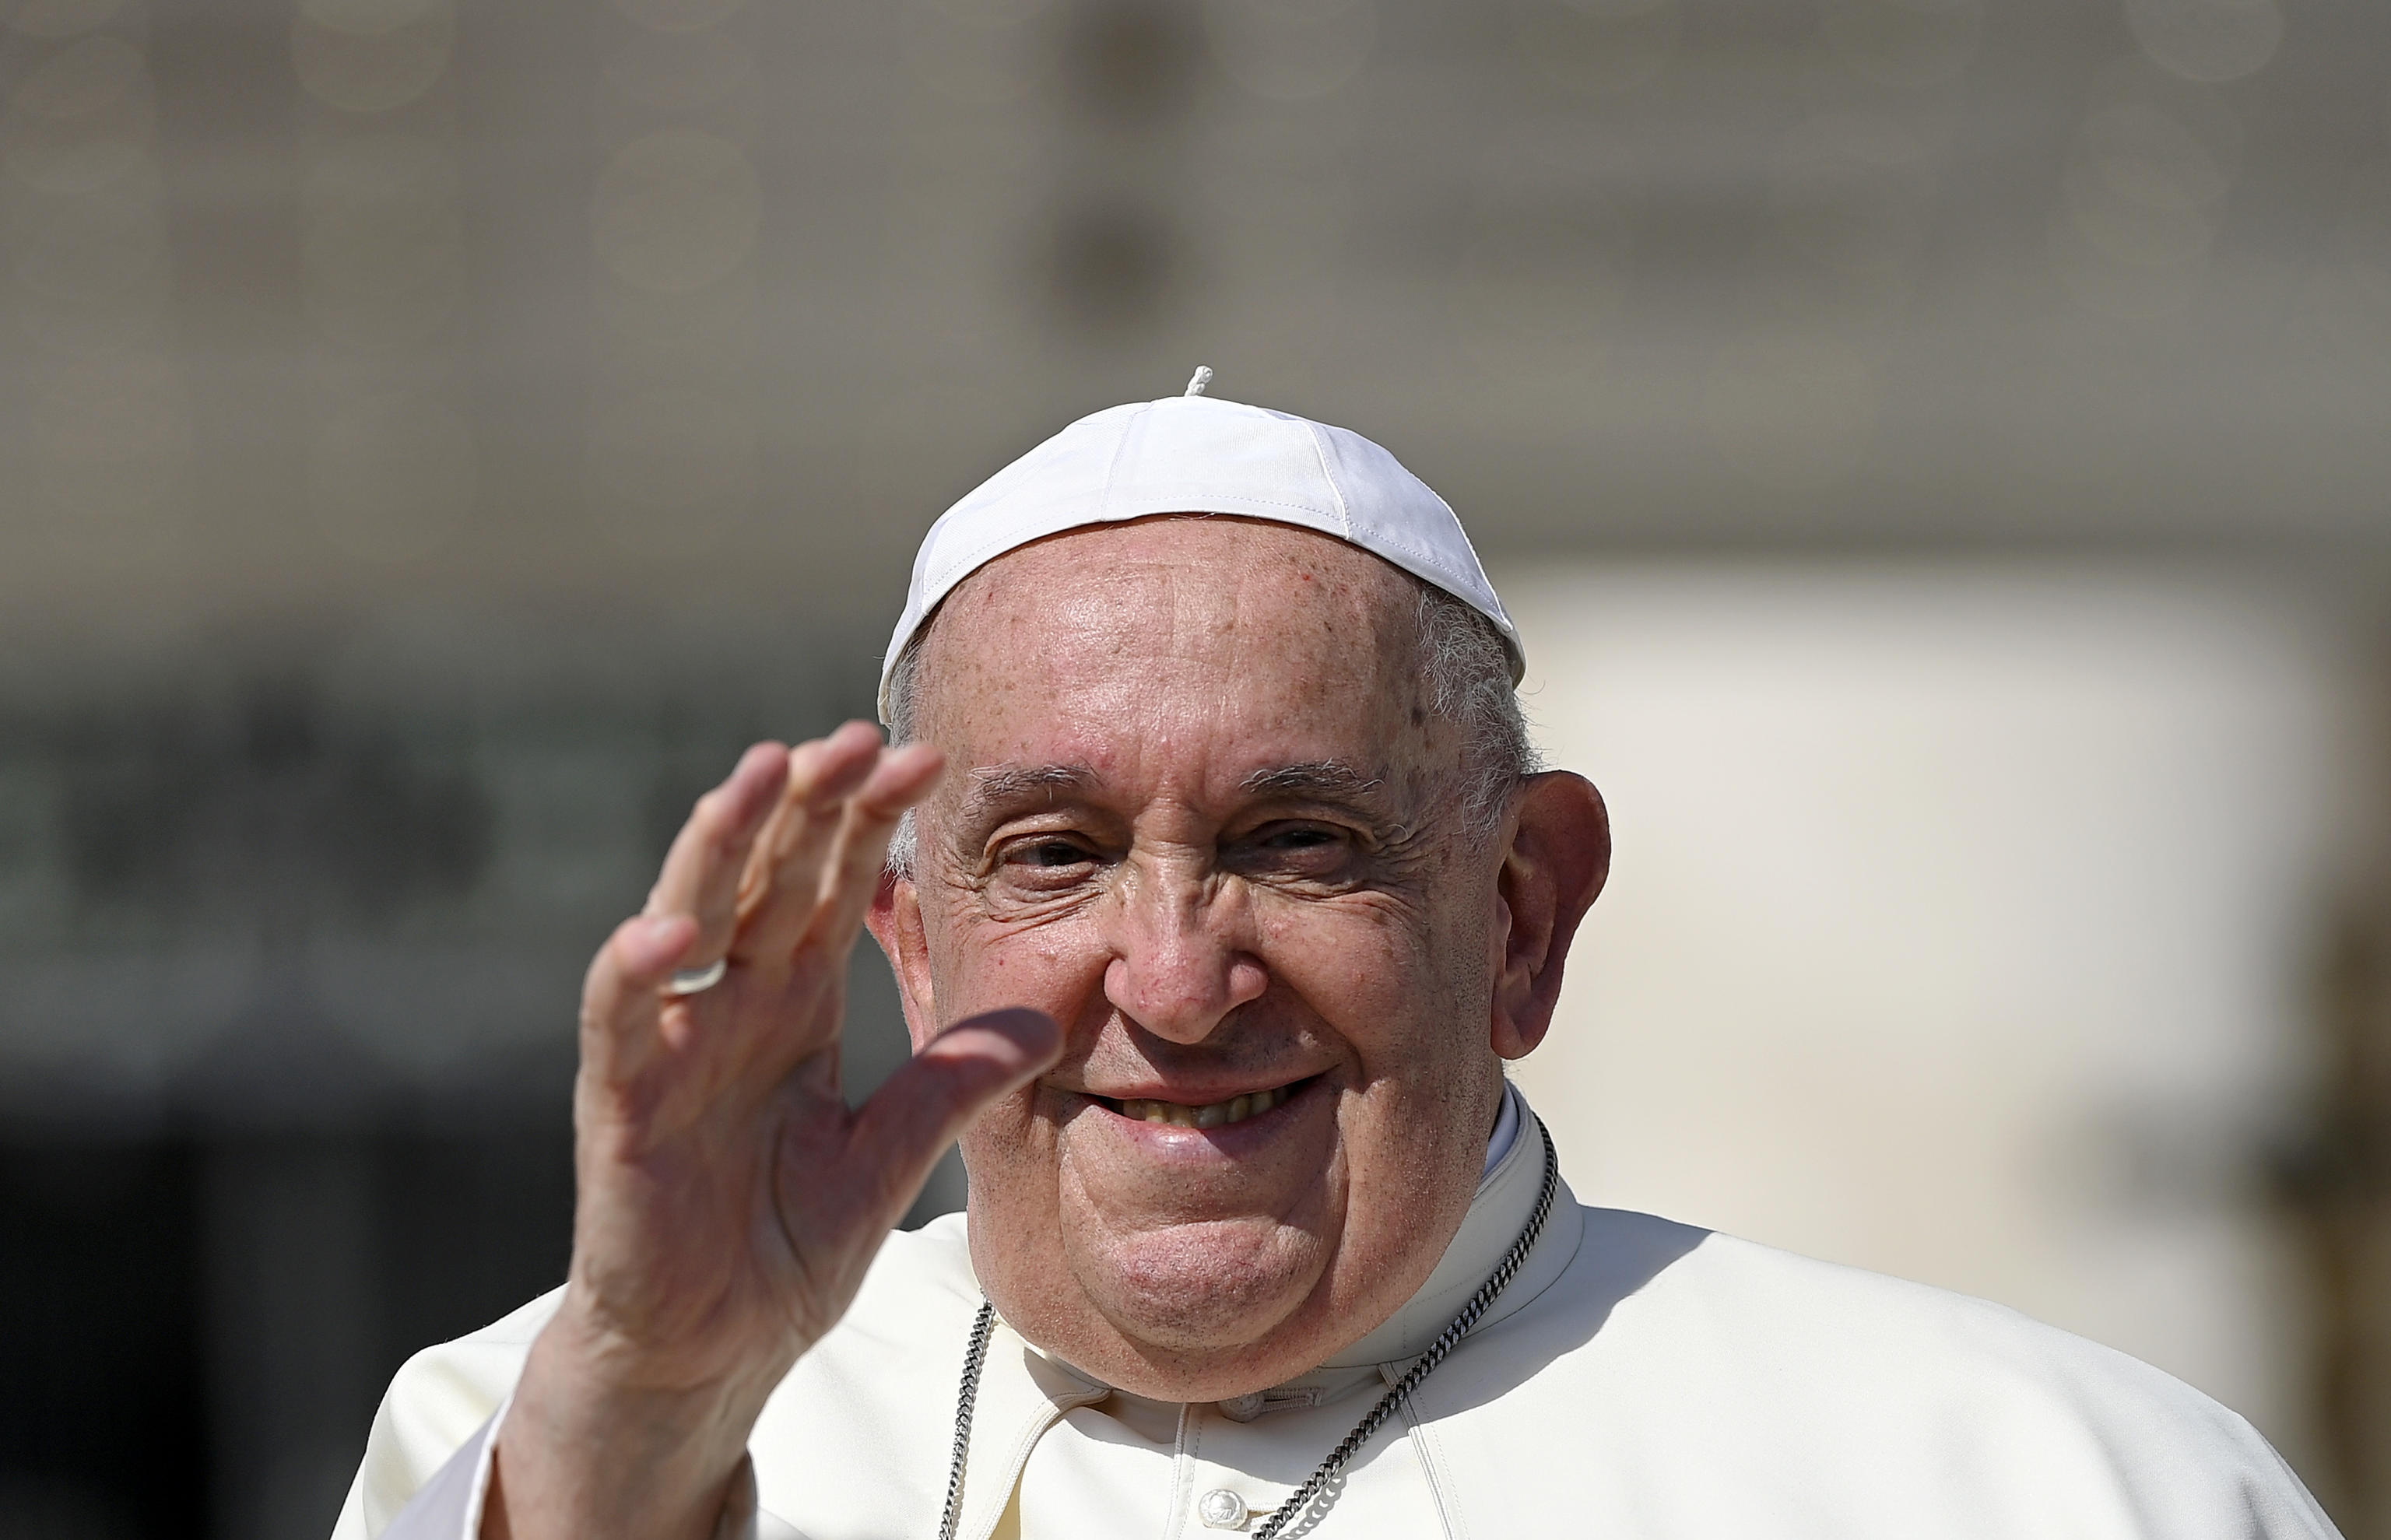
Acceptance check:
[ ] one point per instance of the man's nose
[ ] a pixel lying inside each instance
(1181, 960)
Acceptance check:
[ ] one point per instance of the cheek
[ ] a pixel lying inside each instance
(986, 966)
(1349, 959)
(1407, 988)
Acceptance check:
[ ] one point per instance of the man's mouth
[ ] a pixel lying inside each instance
(1237, 1109)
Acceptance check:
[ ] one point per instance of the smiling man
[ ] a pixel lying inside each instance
(1218, 882)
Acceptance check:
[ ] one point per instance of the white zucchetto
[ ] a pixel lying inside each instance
(1192, 453)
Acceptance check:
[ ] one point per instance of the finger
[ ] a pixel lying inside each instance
(620, 994)
(820, 773)
(902, 778)
(932, 1098)
(778, 892)
(701, 872)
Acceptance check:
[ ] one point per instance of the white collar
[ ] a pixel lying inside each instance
(1507, 1131)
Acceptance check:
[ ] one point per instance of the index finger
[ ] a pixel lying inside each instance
(701, 872)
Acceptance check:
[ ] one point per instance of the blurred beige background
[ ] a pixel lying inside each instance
(1963, 927)
(1936, 451)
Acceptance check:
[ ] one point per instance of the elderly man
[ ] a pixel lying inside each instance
(1223, 885)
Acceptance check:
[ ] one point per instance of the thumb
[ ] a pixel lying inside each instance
(927, 1102)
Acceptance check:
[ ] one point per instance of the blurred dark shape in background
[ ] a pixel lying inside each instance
(2334, 1179)
(293, 958)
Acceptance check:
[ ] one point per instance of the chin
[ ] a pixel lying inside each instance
(1197, 1311)
(1205, 1283)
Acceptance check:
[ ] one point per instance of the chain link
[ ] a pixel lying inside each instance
(983, 1326)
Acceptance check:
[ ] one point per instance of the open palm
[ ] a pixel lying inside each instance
(729, 1200)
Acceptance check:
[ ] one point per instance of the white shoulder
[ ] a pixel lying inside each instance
(920, 1290)
(1908, 1340)
(435, 1402)
(1742, 1386)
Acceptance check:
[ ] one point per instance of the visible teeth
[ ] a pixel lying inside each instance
(1237, 1109)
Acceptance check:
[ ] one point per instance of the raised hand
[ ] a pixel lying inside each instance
(729, 1200)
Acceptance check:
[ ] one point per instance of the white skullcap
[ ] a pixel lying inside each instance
(1192, 453)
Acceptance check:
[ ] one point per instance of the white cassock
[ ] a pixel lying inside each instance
(1638, 1380)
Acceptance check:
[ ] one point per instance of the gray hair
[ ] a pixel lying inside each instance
(1461, 657)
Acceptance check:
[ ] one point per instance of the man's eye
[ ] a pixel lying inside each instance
(1046, 853)
(1310, 847)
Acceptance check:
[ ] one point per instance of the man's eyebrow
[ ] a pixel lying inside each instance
(997, 787)
(1330, 779)
(994, 786)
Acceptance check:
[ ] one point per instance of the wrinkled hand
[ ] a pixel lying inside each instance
(729, 1199)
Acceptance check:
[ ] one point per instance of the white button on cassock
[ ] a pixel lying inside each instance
(1244, 1408)
(1221, 1508)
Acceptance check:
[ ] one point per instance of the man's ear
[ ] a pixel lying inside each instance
(895, 921)
(1559, 854)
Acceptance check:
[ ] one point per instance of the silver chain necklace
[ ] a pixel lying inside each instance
(1277, 1519)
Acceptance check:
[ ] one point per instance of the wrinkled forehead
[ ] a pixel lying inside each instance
(1197, 635)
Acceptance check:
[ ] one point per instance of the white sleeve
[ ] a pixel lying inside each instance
(448, 1507)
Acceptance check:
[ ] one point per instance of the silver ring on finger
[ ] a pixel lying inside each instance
(697, 980)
